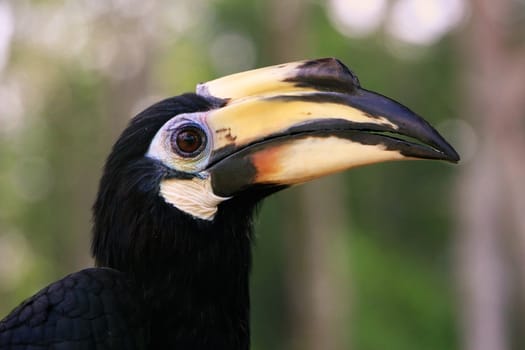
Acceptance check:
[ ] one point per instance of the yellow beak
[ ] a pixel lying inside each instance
(291, 123)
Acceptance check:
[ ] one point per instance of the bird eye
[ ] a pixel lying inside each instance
(188, 141)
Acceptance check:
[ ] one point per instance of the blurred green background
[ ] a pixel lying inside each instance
(414, 255)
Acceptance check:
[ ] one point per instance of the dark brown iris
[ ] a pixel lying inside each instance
(188, 141)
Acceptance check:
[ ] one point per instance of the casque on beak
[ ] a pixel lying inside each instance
(295, 122)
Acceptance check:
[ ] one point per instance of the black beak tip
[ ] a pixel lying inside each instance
(454, 158)
(449, 153)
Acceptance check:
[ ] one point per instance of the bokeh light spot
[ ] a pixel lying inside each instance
(6, 32)
(31, 178)
(232, 52)
(355, 18)
(424, 22)
(15, 259)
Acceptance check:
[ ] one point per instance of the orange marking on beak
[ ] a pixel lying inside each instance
(266, 162)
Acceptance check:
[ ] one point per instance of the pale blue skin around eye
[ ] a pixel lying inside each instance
(192, 165)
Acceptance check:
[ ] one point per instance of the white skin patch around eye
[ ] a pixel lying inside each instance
(193, 196)
(161, 147)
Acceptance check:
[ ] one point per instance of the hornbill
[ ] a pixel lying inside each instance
(172, 229)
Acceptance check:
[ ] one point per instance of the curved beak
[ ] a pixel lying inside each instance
(292, 123)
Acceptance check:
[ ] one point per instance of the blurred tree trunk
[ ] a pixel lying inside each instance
(314, 220)
(492, 184)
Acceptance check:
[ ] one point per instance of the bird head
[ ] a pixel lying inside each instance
(280, 126)
(253, 133)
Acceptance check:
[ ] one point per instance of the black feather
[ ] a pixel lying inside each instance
(92, 309)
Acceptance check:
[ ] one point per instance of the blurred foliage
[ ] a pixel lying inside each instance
(397, 249)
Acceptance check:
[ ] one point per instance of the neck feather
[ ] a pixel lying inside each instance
(193, 274)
